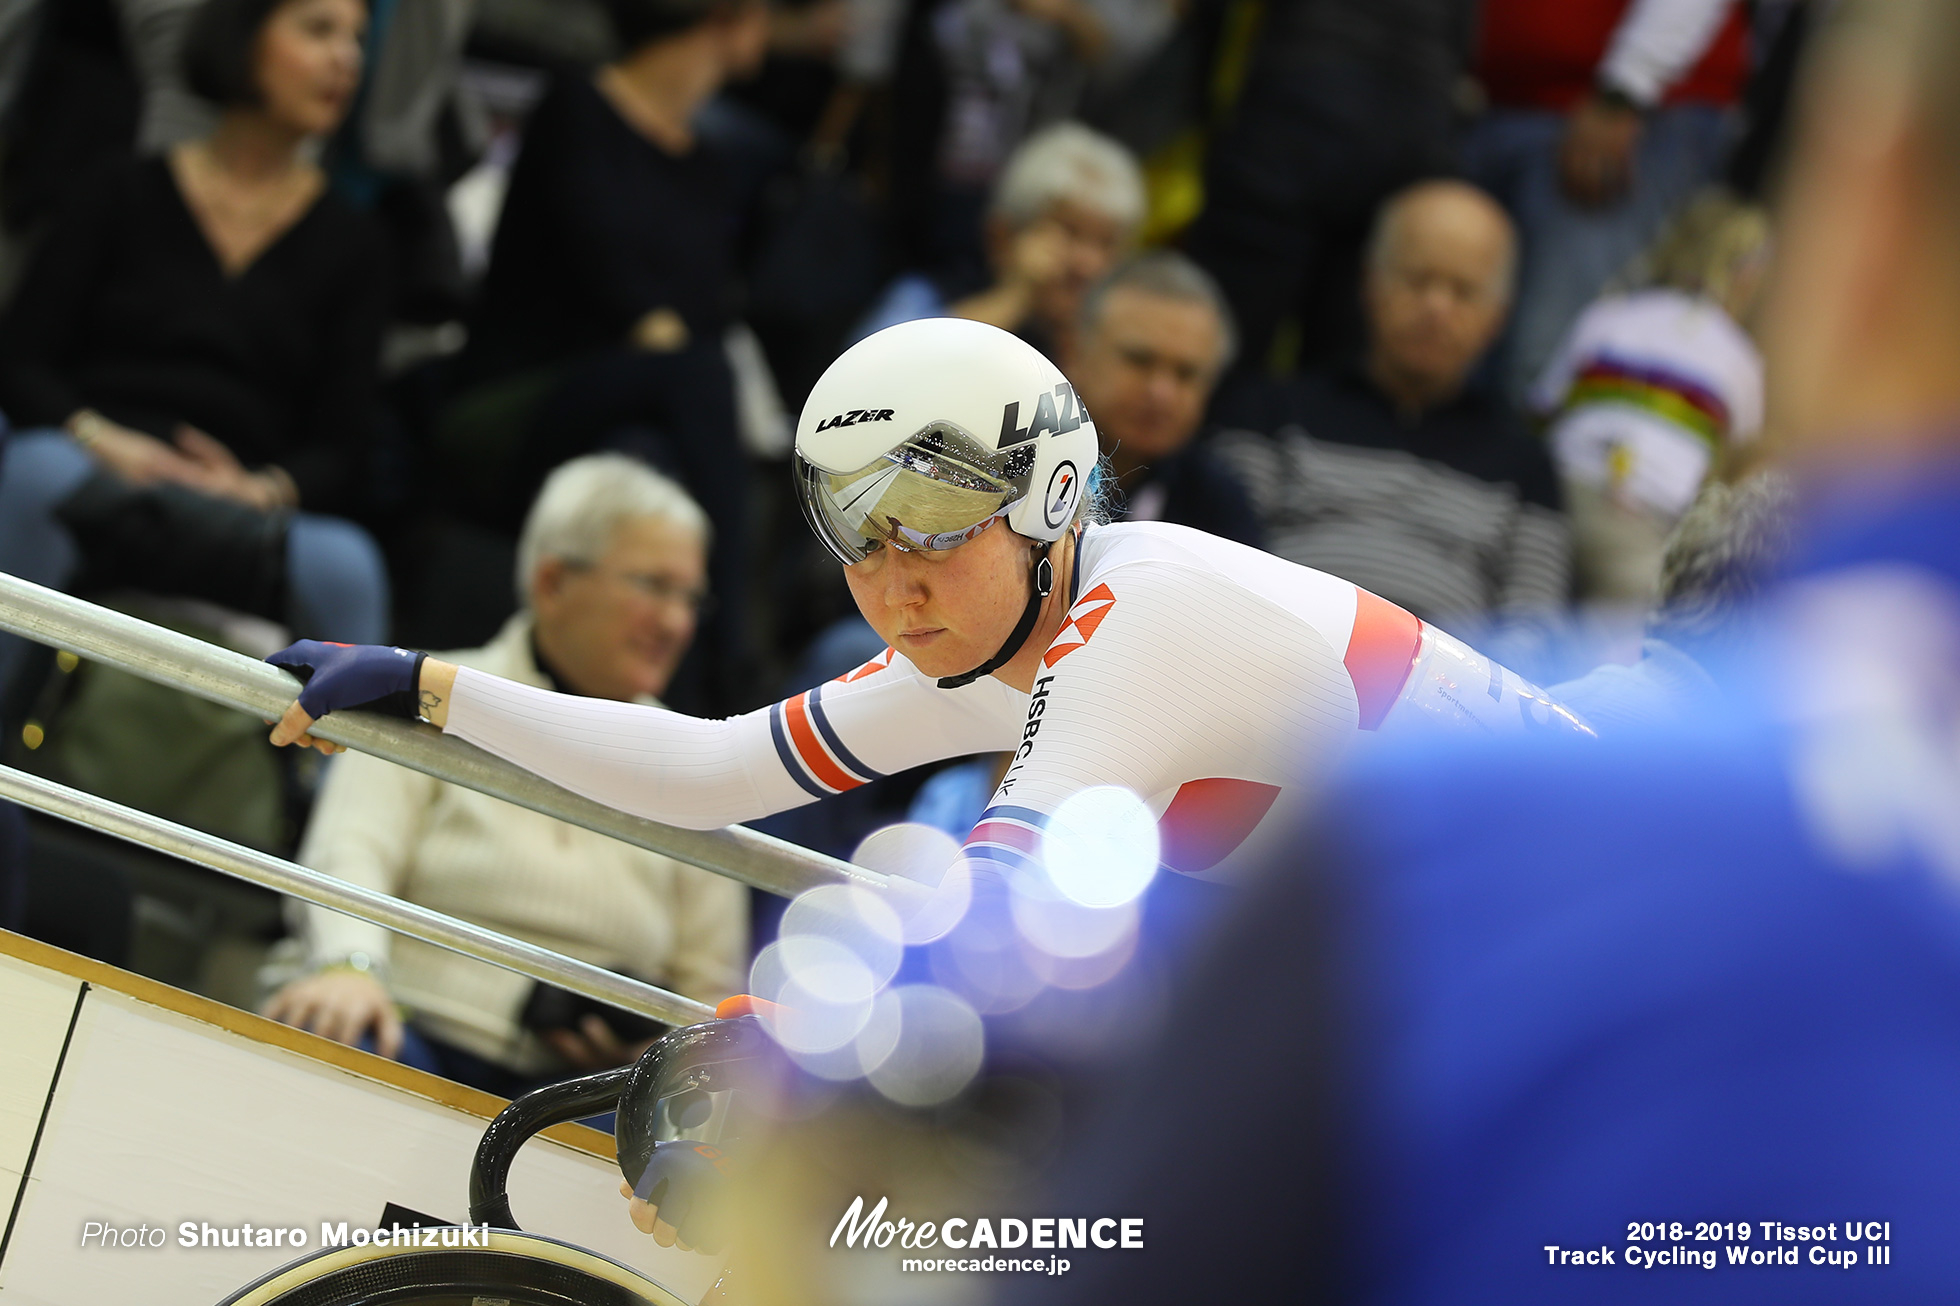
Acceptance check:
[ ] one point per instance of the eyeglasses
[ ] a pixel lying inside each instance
(657, 588)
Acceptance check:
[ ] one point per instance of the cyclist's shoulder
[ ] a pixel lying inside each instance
(1178, 562)
(1149, 549)
(1184, 601)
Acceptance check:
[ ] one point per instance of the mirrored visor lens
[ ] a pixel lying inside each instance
(915, 498)
(894, 502)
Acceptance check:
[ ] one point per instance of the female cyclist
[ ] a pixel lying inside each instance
(949, 466)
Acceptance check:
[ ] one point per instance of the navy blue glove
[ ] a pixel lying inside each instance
(367, 677)
(683, 1182)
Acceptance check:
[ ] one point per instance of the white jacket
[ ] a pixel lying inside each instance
(509, 869)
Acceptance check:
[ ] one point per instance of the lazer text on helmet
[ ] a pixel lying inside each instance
(855, 416)
(1047, 417)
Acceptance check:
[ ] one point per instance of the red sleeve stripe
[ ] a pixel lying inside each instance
(1379, 654)
(1006, 835)
(810, 749)
(791, 766)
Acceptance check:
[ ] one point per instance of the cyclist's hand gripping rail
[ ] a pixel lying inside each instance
(235, 680)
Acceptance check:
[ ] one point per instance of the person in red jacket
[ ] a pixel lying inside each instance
(1604, 117)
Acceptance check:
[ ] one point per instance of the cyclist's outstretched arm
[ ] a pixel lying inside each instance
(701, 774)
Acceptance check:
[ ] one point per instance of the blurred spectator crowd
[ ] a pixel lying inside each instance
(325, 318)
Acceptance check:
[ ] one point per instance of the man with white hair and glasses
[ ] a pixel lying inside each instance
(610, 573)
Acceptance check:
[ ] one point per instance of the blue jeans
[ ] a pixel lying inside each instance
(1568, 253)
(336, 581)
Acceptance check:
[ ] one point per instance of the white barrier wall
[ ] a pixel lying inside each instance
(35, 1008)
(167, 1109)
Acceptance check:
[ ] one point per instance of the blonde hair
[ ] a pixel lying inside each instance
(1714, 247)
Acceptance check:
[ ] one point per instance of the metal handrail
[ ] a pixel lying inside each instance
(170, 658)
(329, 891)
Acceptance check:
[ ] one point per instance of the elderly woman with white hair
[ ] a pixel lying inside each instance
(610, 576)
(1065, 211)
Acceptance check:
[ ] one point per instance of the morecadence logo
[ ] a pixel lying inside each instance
(877, 1229)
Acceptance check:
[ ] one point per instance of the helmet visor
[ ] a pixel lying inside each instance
(936, 491)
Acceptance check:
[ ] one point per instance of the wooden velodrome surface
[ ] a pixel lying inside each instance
(127, 1102)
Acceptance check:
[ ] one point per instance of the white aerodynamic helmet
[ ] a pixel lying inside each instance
(926, 433)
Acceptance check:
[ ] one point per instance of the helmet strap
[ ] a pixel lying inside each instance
(1041, 584)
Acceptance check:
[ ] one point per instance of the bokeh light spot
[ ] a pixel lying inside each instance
(937, 1051)
(1101, 847)
(855, 919)
(922, 853)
